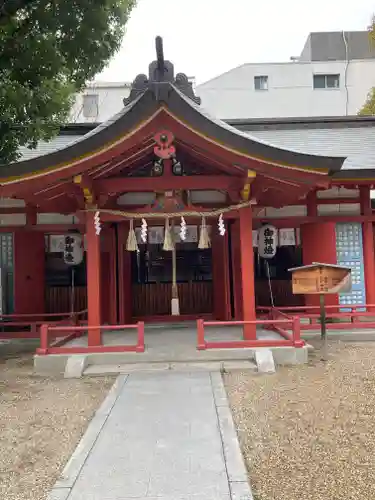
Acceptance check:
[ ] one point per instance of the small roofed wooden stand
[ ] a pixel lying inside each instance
(321, 279)
(163, 161)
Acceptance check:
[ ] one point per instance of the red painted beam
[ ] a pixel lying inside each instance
(165, 183)
(297, 221)
(125, 161)
(248, 344)
(45, 228)
(14, 210)
(336, 201)
(277, 222)
(208, 159)
(353, 183)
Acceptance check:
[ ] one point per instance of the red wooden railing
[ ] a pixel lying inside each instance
(54, 339)
(279, 325)
(26, 326)
(339, 317)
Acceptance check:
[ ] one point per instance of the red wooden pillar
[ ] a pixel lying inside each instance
(319, 245)
(105, 274)
(113, 278)
(124, 275)
(368, 245)
(247, 271)
(108, 276)
(220, 275)
(312, 204)
(236, 269)
(93, 281)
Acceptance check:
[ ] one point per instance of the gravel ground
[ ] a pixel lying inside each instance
(41, 422)
(308, 432)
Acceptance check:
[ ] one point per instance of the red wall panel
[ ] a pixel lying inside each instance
(29, 272)
(319, 245)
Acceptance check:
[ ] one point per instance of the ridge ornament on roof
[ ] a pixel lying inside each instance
(161, 75)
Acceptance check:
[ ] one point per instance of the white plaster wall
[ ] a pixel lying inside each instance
(12, 220)
(11, 203)
(338, 192)
(290, 90)
(54, 218)
(301, 211)
(340, 209)
(232, 94)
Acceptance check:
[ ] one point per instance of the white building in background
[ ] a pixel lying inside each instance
(331, 77)
(99, 101)
(296, 89)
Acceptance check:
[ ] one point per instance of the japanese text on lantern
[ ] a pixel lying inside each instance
(269, 241)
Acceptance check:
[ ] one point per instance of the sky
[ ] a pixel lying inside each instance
(204, 38)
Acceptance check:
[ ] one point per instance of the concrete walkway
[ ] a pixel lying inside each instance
(158, 436)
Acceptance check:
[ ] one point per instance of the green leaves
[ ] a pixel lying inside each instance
(368, 108)
(48, 50)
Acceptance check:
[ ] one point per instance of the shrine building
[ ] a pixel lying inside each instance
(166, 213)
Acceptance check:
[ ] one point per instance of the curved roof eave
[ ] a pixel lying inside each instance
(107, 132)
(141, 109)
(264, 151)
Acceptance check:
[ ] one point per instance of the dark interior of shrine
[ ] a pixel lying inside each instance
(151, 276)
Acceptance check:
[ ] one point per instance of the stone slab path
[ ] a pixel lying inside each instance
(159, 436)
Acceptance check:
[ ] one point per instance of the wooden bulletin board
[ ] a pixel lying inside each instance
(321, 279)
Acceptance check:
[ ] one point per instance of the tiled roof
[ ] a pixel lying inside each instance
(44, 148)
(62, 141)
(357, 143)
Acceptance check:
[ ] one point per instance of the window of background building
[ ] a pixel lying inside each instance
(90, 105)
(326, 81)
(261, 82)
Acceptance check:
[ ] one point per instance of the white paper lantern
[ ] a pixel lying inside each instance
(73, 249)
(267, 241)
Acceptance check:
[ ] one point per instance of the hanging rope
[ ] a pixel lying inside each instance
(270, 283)
(158, 215)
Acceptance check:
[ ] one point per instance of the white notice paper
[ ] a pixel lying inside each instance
(287, 237)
